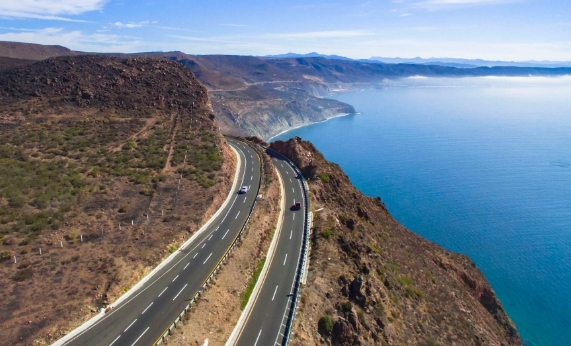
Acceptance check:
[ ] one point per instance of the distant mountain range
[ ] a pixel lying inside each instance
(450, 62)
(308, 55)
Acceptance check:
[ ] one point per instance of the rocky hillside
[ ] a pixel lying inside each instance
(373, 282)
(106, 165)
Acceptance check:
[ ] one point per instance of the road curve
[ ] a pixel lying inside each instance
(149, 311)
(267, 320)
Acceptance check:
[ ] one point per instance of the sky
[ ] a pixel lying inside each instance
(510, 30)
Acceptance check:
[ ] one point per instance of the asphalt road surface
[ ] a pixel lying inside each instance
(141, 319)
(266, 323)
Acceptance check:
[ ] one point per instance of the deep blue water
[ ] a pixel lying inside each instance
(481, 166)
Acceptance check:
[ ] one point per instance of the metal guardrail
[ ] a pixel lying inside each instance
(304, 252)
(229, 250)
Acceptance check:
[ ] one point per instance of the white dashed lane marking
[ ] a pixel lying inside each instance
(237, 215)
(196, 254)
(274, 293)
(285, 259)
(186, 266)
(117, 338)
(224, 236)
(290, 234)
(147, 307)
(180, 292)
(140, 336)
(176, 277)
(129, 326)
(163, 291)
(258, 337)
(207, 258)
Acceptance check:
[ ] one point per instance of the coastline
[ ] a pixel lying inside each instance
(315, 122)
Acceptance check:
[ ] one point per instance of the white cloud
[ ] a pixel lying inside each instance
(133, 25)
(442, 4)
(48, 9)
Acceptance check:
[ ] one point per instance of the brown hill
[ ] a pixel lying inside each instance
(87, 144)
(373, 282)
(31, 51)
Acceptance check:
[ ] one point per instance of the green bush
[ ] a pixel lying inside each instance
(245, 296)
(4, 255)
(130, 144)
(325, 325)
(326, 234)
(324, 177)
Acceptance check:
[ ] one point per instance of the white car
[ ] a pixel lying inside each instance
(244, 189)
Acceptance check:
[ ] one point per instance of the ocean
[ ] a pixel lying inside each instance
(481, 166)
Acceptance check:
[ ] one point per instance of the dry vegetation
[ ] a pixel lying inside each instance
(88, 144)
(373, 282)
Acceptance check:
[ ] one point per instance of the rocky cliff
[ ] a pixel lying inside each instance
(374, 282)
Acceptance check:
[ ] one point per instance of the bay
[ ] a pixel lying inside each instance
(481, 166)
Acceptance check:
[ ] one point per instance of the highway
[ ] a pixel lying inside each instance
(266, 323)
(148, 312)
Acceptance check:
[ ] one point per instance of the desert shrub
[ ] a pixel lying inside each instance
(148, 191)
(325, 325)
(326, 234)
(130, 144)
(140, 177)
(4, 255)
(123, 208)
(324, 177)
(23, 274)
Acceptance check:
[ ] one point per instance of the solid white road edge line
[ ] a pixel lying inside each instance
(262, 278)
(79, 330)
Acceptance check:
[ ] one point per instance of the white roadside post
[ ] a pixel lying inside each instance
(15, 261)
(81, 236)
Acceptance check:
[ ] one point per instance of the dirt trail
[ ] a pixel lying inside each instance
(171, 145)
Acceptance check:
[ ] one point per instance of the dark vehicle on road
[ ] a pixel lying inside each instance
(297, 206)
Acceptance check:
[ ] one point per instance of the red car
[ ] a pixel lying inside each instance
(297, 206)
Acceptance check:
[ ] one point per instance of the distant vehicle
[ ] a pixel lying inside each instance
(297, 206)
(244, 189)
